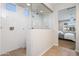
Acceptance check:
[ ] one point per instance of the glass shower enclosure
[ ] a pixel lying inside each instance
(40, 14)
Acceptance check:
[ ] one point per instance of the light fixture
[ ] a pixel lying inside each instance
(41, 11)
(28, 4)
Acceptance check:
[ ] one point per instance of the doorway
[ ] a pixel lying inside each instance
(67, 31)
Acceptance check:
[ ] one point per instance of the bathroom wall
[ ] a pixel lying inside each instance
(39, 41)
(0, 28)
(41, 38)
(77, 27)
(53, 23)
(13, 39)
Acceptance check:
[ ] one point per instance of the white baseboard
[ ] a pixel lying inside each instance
(46, 50)
(4, 52)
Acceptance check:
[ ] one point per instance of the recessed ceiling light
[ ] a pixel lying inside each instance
(28, 4)
(41, 11)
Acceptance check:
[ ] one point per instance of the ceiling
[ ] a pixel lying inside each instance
(22, 5)
(36, 7)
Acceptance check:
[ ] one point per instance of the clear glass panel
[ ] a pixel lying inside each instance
(40, 16)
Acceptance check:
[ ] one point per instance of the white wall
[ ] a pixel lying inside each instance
(77, 27)
(53, 24)
(40, 41)
(0, 28)
(13, 39)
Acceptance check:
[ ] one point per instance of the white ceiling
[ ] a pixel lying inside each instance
(36, 7)
(22, 5)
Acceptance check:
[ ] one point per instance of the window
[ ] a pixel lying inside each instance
(11, 7)
(26, 12)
